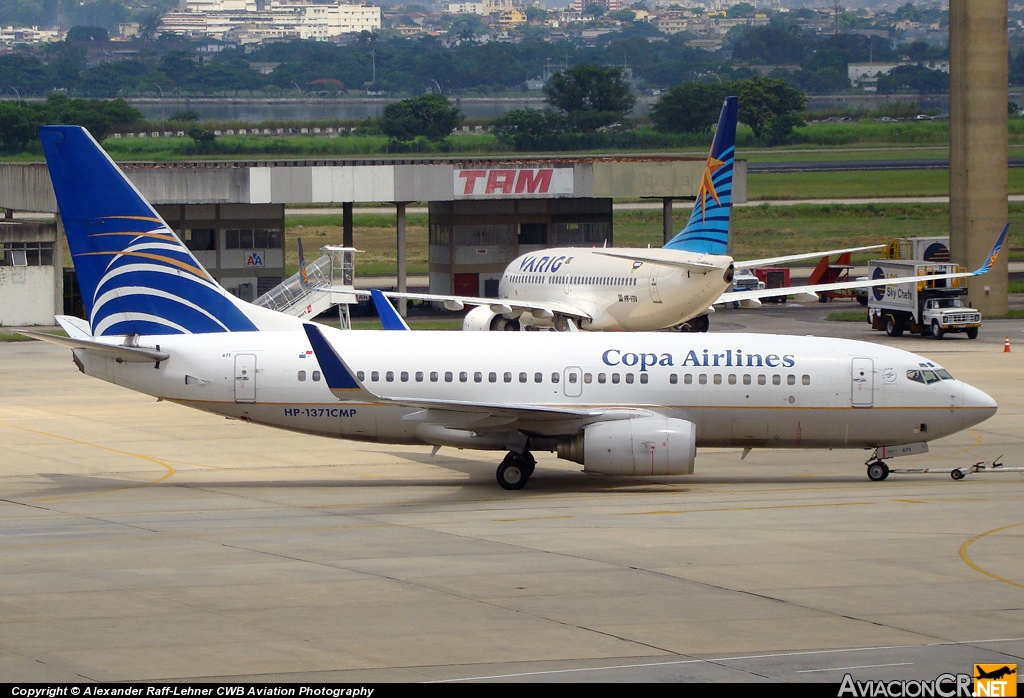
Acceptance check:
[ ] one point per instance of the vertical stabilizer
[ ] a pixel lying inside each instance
(136, 275)
(708, 229)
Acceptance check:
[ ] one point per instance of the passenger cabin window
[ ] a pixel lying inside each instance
(302, 375)
(673, 379)
(389, 376)
(702, 379)
(790, 379)
(316, 375)
(538, 377)
(463, 376)
(523, 377)
(507, 377)
(419, 376)
(433, 376)
(449, 376)
(761, 379)
(360, 375)
(776, 379)
(688, 379)
(374, 376)
(629, 378)
(746, 379)
(601, 377)
(805, 379)
(615, 378)
(644, 378)
(404, 376)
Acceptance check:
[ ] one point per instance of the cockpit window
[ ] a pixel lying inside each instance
(927, 377)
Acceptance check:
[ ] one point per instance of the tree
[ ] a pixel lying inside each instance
(770, 107)
(84, 33)
(430, 116)
(690, 108)
(530, 129)
(591, 96)
(205, 141)
(593, 9)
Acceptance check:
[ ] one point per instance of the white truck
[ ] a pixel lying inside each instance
(921, 307)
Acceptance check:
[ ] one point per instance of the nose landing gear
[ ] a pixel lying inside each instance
(877, 471)
(515, 470)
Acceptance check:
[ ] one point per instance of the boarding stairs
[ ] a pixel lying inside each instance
(327, 282)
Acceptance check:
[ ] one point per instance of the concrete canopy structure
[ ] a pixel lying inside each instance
(256, 192)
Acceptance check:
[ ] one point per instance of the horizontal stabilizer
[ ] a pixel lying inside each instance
(118, 352)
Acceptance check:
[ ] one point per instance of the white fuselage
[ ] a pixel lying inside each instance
(737, 389)
(618, 293)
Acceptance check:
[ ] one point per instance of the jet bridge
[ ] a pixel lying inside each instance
(317, 286)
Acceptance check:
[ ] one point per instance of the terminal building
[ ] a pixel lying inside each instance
(482, 212)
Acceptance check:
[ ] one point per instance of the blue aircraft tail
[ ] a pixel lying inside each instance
(708, 229)
(136, 275)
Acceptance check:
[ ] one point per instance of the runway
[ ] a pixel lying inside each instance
(142, 541)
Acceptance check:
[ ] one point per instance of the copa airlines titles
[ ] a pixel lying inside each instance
(735, 358)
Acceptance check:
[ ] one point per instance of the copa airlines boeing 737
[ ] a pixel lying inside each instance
(629, 404)
(639, 289)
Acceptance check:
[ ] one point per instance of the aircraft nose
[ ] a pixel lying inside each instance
(978, 405)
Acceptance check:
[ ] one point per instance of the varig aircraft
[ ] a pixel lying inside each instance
(627, 404)
(613, 289)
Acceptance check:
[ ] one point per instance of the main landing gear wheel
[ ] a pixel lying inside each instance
(515, 470)
(878, 471)
(699, 324)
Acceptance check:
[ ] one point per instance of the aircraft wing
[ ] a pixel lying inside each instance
(809, 292)
(771, 261)
(502, 306)
(660, 255)
(118, 352)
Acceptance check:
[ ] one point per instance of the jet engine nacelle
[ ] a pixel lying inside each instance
(482, 318)
(642, 446)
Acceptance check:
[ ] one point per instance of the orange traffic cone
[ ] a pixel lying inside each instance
(1006, 347)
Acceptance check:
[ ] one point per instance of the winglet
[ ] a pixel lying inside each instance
(994, 254)
(389, 317)
(340, 378)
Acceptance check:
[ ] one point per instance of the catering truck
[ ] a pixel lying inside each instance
(923, 307)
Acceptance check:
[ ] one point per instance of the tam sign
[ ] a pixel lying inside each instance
(501, 183)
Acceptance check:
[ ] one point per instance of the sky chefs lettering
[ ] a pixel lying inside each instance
(729, 358)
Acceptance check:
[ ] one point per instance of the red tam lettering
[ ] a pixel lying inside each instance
(534, 182)
(502, 181)
(471, 176)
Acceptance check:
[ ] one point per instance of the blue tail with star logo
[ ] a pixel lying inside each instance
(708, 229)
